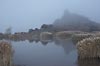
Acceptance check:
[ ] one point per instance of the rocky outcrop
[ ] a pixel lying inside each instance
(67, 34)
(46, 36)
(75, 22)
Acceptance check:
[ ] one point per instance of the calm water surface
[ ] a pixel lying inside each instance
(55, 53)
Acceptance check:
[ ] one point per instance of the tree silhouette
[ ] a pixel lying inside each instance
(8, 31)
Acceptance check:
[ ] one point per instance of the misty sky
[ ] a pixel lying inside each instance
(24, 14)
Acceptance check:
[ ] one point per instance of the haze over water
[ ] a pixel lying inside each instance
(24, 14)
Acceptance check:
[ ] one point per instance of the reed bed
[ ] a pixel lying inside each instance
(5, 54)
(89, 47)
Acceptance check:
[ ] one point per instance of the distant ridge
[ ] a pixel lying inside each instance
(71, 21)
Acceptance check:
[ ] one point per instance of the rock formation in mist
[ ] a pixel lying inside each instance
(71, 21)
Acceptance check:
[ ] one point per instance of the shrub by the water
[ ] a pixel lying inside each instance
(5, 54)
(89, 47)
(88, 62)
(79, 37)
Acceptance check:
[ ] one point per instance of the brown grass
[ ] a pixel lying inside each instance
(5, 54)
(89, 47)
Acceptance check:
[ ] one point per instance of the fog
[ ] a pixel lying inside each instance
(22, 15)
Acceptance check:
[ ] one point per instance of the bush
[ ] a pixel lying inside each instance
(5, 54)
(89, 47)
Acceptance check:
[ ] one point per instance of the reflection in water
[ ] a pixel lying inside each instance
(44, 53)
(33, 40)
(44, 42)
(66, 44)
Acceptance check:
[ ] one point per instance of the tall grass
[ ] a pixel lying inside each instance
(89, 47)
(5, 54)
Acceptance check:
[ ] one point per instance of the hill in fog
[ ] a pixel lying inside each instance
(71, 21)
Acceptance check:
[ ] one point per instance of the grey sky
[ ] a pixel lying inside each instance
(25, 14)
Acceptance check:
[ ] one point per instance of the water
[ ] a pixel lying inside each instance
(48, 53)
(55, 53)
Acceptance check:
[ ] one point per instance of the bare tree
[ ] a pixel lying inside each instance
(8, 31)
